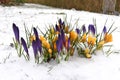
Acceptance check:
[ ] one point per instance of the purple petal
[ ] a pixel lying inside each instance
(58, 46)
(91, 28)
(59, 43)
(104, 29)
(24, 46)
(34, 46)
(62, 35)
(57, 28)
(83, 29)
(39, 44)
(35, 32)
(60, 21)
(78, 31)
(16, 32)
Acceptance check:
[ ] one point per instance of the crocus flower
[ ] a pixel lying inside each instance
(104, 29)
(57, 28)
(60, 21)
(16, 32)
(62, 35)
(78, 31)
(83, 29)
(108, 38)
(42, 38)
(39, 44)
(59, 43)
(25, 46)
(35, 32)
(58, 46)
(34, 46)
(91, 40)
(91, 28)
(73, 35)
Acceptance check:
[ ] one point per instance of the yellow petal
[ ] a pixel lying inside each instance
(32, 37)
(91, 40)
(73, 35)
(50, 51)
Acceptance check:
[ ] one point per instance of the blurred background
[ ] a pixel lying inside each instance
(87, 5)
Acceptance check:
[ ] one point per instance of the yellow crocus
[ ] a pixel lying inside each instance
(42, 38)
(108, 38)
(46, 44)
(91, 40)
(73, 35)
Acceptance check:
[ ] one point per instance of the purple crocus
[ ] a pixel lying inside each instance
(59, 43)
(60, 21)
(83, 29)
(91, 28)
(63, 35)
(58, 46)
(35, 31)
(34, 46)
(39, 44)
(104, 29)
(78, 31)
(57, 28)
(25, 46)
(16, 32)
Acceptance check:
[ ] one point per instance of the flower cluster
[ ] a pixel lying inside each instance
(61, 42)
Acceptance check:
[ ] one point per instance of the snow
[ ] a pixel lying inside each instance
(99, 67)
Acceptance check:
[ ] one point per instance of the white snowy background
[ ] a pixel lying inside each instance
(99, 67)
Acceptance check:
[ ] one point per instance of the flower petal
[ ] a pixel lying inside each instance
(57, 28)
(104, 29)
(35, 32)
(62, 35)
(91, 28)
(16, 32)
(60, 21)
(24, 46)
(34, 46)
(58, 46)
(78, 31)
(39, 44)
(83, 29)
